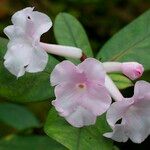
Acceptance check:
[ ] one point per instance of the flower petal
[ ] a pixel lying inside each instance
(118, 133)
(20, 17)
(97, 99)
(117, 110)
(66, 98)
(17, 58)
(33, 23)
(64, 72)
(41, 23)
(138, 120)
(141, 88)
(93, 70)
(38, 60)
(81, 117)
(138, 129)
(12, 32)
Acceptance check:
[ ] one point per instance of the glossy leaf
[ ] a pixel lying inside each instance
(121, 81)
(85, 138)
(17, 116)
(28, 88)
(132, 43)
(68, 31)
(14, 142)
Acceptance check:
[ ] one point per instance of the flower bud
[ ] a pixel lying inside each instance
(133, 70)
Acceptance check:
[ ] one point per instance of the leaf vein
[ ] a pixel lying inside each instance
(116, 57)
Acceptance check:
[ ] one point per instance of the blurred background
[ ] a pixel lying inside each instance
(101, 20)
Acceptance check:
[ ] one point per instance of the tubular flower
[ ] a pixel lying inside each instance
(134, 114)
(80, 92)
(25, 52)
(132, 70)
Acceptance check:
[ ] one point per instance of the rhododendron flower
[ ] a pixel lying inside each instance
(80, 91)
(25, 51)
(134, 114)
(132, 70)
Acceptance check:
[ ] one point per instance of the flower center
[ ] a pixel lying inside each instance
(81, 86)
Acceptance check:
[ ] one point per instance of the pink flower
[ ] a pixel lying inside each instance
(134, 114)
(25, 52)
(132, 70)
(80, 92)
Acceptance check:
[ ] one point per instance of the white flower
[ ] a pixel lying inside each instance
(134, 114)
(80, 91)
(25, 52)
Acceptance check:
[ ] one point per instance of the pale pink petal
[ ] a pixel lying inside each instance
(93, 70)
(32, 23)
(81, 117)
(66, 98)
(96, 99)
(143, 104)
(17, 58)
(137, 125)
(133, 70)
(141, 88)
(38, 24)
(20, 17)
(117, 110)
(10, 31)
(64, 72)
(38, 60)
(68, 105)
(118, 133)
(138, 120)
(14, 32)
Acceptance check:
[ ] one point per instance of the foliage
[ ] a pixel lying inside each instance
(132, 43)
(78, 138)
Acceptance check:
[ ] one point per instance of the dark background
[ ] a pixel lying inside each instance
(100, 18)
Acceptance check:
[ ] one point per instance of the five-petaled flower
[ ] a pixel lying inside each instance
(25, 51)
(80, 92)
(134, 114)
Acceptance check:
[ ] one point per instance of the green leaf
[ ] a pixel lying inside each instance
(17, 116)
(85, 138)
(132, 43)
(68, 31)
(121, 81)
(145, 76)
(115, 148)
(28, 88)
(15, 142)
